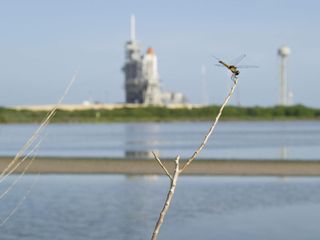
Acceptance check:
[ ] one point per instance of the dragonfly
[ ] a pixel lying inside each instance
(233, 65)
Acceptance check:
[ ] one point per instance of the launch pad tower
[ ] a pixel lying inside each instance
(142, 81)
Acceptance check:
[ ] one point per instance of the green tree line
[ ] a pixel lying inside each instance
(153, 113)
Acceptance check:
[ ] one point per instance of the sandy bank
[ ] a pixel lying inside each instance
(51, 165)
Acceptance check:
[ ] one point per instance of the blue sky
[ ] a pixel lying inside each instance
(43, 42)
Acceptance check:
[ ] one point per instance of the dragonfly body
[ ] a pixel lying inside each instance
(232, 68)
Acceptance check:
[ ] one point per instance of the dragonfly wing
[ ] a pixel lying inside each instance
(216, 58)
(218, 64)
(237, 60)
(247, 66)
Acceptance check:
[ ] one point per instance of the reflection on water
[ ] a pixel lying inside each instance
(231, 140)
(137, 137)
(283, 153)
(138, 154)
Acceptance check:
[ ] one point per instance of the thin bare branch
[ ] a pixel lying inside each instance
(21, 161)
(168, 200)
(13, 211)
(10, 187)
(205, 140)
(162, 166)
(43, 124)
(178, 171)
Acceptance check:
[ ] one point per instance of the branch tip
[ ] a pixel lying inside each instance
(162, 166)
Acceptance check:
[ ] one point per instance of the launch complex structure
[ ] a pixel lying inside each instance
(142, 81)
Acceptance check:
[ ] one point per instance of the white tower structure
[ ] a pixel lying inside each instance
(283, 52)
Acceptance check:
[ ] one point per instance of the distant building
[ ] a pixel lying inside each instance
(142, 81)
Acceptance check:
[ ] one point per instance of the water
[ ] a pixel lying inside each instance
(76, 207)
(119, 207)
(231, 140)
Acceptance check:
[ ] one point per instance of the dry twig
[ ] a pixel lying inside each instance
(168, 199)
(20, 157)
(163, 167)
(205, 140)
(178, 170)
(36, 134)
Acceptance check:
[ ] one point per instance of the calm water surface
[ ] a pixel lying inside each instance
(82, 207)
(236, 140)
(76, 207)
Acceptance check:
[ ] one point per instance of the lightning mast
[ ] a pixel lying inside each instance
(133, 28)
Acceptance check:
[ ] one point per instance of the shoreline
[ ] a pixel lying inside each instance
(200, 167)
